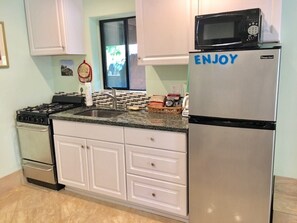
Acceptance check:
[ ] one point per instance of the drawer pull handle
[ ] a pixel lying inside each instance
(153, 194)
(152, 139)
(153, 165)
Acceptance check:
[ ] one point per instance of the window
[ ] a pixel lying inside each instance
(119, 55)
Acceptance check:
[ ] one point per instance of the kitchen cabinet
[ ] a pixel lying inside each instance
(71, 161)
(91, 157)
(55, 27)
(156, 164)
(165, 31)
(271, 10)
(141, 167)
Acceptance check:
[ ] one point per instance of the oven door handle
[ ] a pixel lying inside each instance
(31, 128)
(37, 168)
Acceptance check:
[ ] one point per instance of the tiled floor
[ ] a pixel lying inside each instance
(32, 204)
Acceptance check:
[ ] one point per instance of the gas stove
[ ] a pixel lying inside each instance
(39, 114)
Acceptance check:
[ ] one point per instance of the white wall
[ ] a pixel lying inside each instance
(27, 81)
(286, 139)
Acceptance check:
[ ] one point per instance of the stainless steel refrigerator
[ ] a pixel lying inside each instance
(232, 122)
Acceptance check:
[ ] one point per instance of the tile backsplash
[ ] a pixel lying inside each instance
(124, 99)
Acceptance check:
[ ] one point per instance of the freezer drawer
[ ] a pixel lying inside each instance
(230, 174)
(38, 171)
(244, 89)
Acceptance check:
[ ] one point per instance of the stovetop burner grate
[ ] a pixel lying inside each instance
(39, 114)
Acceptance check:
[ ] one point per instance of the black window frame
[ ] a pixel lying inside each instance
(103, 50)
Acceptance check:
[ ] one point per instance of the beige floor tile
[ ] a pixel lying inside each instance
(32, 204)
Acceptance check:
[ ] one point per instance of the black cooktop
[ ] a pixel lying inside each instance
(39, 114)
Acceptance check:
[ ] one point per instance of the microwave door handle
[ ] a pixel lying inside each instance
(227, 44)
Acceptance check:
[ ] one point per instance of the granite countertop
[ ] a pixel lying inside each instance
(137, 119)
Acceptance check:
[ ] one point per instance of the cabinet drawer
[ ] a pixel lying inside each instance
(175, 141)
(157, 194)
(90, 131)
(156, 163)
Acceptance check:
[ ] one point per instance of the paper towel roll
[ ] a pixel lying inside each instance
(88, 88)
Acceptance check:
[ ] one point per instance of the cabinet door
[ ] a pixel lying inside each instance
(55, 26)
(165, 30)
(270, 8)
(107, 168)
(71, 158)
(46, 35)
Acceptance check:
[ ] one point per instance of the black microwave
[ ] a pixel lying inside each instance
(228, 29)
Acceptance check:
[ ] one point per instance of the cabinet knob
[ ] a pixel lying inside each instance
(139, 58)
(152, 139)
(88, 147)
(153, 165)
(153, 194)
(82, 146)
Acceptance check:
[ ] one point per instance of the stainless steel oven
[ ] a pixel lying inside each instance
(36, 139)
(36, 149)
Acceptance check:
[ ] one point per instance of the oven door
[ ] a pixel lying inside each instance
(219, 31)
(35, 142)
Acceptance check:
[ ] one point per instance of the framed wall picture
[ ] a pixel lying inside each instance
(3, 49)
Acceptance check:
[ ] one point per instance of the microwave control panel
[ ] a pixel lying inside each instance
(253, 25)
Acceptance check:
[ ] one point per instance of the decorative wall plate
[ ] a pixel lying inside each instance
(84, 71)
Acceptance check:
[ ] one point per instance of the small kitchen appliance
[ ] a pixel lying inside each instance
(232, 123)
(35, 135)
(228, 29)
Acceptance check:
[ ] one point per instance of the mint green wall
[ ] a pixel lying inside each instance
(26, 82)
(32, 80)
(286, 139)
(159, 79)
(93, 11)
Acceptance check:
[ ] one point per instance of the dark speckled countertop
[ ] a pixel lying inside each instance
(137, 119)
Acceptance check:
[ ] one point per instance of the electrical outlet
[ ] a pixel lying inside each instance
(176, 89)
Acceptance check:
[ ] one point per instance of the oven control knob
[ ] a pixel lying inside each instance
(41, 120)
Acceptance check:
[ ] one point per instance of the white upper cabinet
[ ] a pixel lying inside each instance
(55, 27)
(270, 8)
(165, 30)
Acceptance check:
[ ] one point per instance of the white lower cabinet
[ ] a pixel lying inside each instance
(107, 168)
(136, 165)
(71, 158)
(93, 165)
(156, 163)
